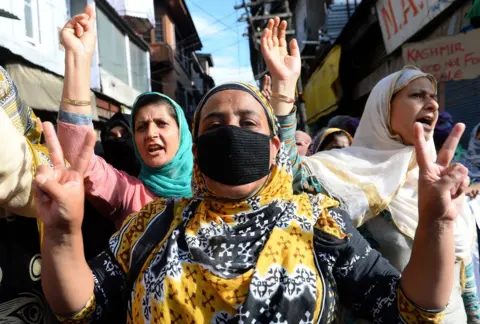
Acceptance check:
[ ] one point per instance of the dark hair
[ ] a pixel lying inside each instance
(330, 138)
(153, 99)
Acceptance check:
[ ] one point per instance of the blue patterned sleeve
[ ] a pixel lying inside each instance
(73, 118)
(107, 303)
(303, 181)
(469, 295)
(288, 126)
(367, 284)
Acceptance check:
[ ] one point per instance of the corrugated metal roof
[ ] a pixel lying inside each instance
(337, 18)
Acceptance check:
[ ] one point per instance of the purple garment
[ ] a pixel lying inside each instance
(347, 123)
(443, 129)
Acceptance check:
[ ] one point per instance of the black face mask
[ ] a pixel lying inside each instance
(120, 153)
(233, 156)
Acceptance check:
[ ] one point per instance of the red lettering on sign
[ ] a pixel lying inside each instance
(406, 9)
(459, 47)
(435, 51)
(414, 55)
(411, 54)
(432, 68)
(453, 63)
(424, 53)
(451, 75)
(389, 19)
(471, 60)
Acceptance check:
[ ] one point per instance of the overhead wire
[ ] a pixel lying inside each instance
(211, 24)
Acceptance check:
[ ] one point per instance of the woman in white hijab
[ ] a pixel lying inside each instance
(376, 179)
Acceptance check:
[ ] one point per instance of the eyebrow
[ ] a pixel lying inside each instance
(423, 91)
(241, 112)
(147, 121)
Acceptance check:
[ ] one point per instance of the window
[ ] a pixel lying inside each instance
(191, 104)
(181, 51)
(180, 96)
(156, 32)
(111, 48)
(159, 30)
(69, 10)
(31, 20)
(75, 7)
(138, 68)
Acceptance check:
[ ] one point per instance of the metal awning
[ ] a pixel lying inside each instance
(41, 90)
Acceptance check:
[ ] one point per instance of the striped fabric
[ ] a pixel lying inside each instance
(469, 294)
(288, 125)
(19, 113)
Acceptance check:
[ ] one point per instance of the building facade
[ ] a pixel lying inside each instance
(374, 46)
(176, 69)
(31, 51)
(360, 42)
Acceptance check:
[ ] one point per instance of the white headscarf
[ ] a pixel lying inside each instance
(378, 171)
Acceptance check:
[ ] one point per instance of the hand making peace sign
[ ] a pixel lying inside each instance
(441, 185)
(59, 193)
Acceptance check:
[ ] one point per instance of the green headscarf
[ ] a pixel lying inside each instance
(174, 178)
(474, 11)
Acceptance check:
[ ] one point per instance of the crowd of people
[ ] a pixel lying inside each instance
(243, 219)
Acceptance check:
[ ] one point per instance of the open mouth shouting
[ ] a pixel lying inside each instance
(154, 149)
(427, 122)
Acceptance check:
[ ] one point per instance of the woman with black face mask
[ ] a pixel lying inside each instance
(117, 143)
(244, 249)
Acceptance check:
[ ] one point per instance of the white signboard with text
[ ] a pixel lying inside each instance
(446, 58)
(401, 19)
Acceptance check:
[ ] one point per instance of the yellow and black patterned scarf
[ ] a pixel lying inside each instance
(231, 261)
(24, 120)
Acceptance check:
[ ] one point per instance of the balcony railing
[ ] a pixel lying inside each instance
(161, 54)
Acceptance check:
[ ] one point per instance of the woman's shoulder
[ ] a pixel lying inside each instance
(149, 225)
(329, 218)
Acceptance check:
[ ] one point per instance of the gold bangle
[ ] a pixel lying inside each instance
(283, 98)
(76, 102)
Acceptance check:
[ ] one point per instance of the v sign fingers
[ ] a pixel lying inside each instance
(421, 149)
(83, 160)
(59, 193)
(440, 184)
(53, 145)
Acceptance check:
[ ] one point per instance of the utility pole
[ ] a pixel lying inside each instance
(258, 20)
